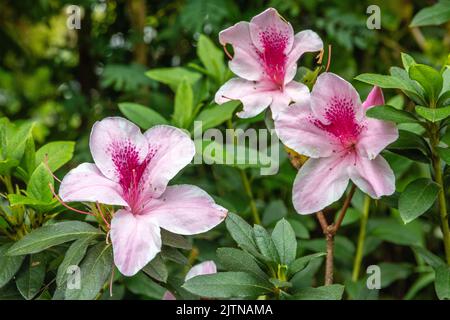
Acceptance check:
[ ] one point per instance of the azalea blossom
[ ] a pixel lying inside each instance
(265, 60)
(206, 267)
(132, 170)
(342, 143)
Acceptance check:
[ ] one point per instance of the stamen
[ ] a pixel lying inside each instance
(65, 204)
(227, 53)
(101, 214)
(329, 58)
(48, 168)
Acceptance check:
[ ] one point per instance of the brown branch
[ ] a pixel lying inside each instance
(345, 206)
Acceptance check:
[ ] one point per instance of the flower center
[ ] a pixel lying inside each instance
(342, 123)
(273, 58)
(130, 170)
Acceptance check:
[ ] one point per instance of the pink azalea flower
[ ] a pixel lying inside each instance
(342, 143)
(132, 170)
(265, 61)
(206, 267)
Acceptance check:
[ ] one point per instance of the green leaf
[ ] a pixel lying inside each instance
(430, 80)
(391, 272)
(58, 153)
(432, 16)
(433, 115)
(8, 265)
(52, 235)
(173, 76)
(217, 114)
(274, 211)
(175, 240)
(29, 158)
(94, 272)
(73, 257)
(31, 276)
(407, 61)
(389, 113)
(417, 198)
(226, 285)
(238, 156)
(172, 254)
(184, 105)
(241, 232)
(237, 260)
(211, 57)
(430, 258)
(156, 269)
(302, 262)
(142, 116)
(414, 144)
(38, 187)
(124, 77)
(393, 231)
(283, 237)
(444, 153)
(383, 81)
(331, 292)
(442, 282)
(141, 284)
(265, 243)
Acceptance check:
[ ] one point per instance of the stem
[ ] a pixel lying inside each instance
(248, 191)
(442, 201)
(246, 184)
(8, 184)
(329, 266)
(361, 239)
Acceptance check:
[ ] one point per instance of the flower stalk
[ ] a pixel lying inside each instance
(361, 239)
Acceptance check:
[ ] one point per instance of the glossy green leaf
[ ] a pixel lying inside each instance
(433, 115)
(442, 282)
(331, 292)
(265, 243)
(417, 198)
(9, 265)
(52, 235)
(237, 260)
(58, 153)
(430, 80)
(217, 114)
(144, 117)
(389, 113)
(432, 16)
(226, 285)
(31, 276)
(283, 237)
(184, 105)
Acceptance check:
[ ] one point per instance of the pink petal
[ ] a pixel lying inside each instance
(185, 209)
(174, 151)
(293, 91)
(206, 267)
(255, 97)
(319, 183)
(375, 98)
(304, 41)
(246, 62)
(168, 296)
(87, 183)
(269, 26)
(376, 136)
(113, 141)
(296, 130)
(332, 94)
(136, 241)
(373, 177)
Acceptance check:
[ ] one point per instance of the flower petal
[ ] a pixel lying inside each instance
(206, 267)
(136, 241)
(174, 150)
(245, 62)
(375, 98)
(331, 92)
(319, 183)
(113, 141)
(185, 209)
(304, 41)
(293, 91)
(375, 136)
(269, 26)
(87, 183)
(168, 296)
(255, 96)
(374, 177)
(296, 130)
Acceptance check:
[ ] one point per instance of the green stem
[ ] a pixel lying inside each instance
(248, 191)
(361, 239)
(8, 184)
(441, 198)
(247, 185)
